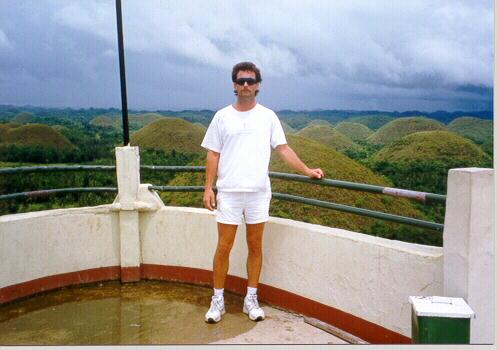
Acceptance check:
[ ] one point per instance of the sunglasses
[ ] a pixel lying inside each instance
(249, 81)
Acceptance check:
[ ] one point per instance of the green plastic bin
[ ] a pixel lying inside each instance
(440, 320)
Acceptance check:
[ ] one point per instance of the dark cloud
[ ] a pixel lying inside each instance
(320, 54)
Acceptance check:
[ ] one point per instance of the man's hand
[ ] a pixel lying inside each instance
(291, 158)
(209, 199)
(315, 173)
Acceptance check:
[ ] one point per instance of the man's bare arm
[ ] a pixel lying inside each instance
(210, 176)
(291, 158)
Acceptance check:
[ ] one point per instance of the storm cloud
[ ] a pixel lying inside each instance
(386, 55)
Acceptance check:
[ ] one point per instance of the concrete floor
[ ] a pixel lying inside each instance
(148, 312)
(281, 327)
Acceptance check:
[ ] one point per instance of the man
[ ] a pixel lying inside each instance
(239, 141)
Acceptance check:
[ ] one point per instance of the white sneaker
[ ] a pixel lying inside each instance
(216, 310)
(252, 308)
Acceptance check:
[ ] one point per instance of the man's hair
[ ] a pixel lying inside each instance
(247, 66)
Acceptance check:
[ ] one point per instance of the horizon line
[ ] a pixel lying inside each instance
(277, 110)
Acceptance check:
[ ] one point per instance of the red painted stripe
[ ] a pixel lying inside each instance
(20, 290)
(363, 329)
(130, 274)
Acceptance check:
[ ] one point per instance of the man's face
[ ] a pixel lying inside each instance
(246, 90)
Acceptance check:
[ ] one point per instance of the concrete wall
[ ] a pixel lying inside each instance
(46, 243)
(366, 276)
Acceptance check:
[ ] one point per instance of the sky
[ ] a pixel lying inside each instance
(332, 54)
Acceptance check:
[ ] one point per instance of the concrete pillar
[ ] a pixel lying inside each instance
(128, 176)
(128, 182)
(469, 246)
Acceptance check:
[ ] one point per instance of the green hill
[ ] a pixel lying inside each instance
(398, 128)
(4, 127)
(354, 131)
(336, 166)
(287, 128)
(298, 121)
(33, 135)
(24, 118)
(374, 122)
(319, 122)
(421, 161)
(325, 134)
(431, 146)
(106, 121)
(167, 134)
(476, 129)
(135, 122)
(200, 125)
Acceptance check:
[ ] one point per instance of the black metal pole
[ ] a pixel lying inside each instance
(124, 99)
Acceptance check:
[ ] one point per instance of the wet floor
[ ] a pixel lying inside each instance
(148, 312)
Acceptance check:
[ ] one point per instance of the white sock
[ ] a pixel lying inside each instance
(251, 291)
(219, 292)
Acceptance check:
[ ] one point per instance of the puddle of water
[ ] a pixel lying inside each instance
(147, 312)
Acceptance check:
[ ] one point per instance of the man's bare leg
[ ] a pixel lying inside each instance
(254, 259)
(226, 237)
(254, 265)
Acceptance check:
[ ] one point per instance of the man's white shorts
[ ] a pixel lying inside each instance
(251, 206)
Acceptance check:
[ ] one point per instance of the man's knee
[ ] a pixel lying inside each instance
(254, 246)
(226, 237)
(224, 246)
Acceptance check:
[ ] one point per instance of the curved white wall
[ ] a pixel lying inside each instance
(365, 276)
(45, 243)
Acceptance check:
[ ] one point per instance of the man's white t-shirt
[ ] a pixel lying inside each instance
(244, 141)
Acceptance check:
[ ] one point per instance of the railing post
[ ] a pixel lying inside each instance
(468, 244)
(128, 182)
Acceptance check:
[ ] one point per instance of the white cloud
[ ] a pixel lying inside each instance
(95, 17)
(4, 41)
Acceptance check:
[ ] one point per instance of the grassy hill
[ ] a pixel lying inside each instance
(106, 121)
(354, 131)
(373, 122)
(476, 129)
(297, 121)
(167, 134)
(421, 161)
(319, 122)
(325, 134)
(23, 118)
(432, 145)
(200, 125)
(398, 128)
(287, 128)
(32, 135)
(136, 122)
(335, 166)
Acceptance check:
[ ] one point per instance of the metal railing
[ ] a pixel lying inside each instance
(46, 193)
(423, 197)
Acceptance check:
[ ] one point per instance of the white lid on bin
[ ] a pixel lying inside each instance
(435, 306)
